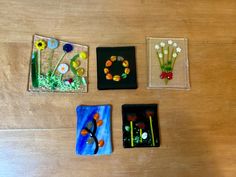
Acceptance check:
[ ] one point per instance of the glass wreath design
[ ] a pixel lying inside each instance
(116, 77)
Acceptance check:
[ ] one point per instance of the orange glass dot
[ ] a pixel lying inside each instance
(108, 63)
(109, 77)
(99, 123)
(101, 143)
(96, 116)
(84, 132)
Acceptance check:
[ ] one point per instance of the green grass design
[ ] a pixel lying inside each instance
(55, 83)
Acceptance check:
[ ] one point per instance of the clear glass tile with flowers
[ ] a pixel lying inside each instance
(58, 66)
(168, 63)
(167, 54)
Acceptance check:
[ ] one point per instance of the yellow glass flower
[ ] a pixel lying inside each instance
(40, 44)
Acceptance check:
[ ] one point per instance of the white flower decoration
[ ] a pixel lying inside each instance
(175, 44)
(170, 42)
(178, 49)
(174, 55)
(144, 135)
(162, 44)
(160, 55)
(165, 52)
(157, 47)
(63, 68)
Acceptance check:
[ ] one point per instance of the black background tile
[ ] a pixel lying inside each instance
(140, 111)
(103, 54)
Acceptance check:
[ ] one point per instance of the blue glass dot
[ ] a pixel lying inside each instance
(53, 43)
(68, 48)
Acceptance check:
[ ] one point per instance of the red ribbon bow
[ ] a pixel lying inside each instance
(168, 75)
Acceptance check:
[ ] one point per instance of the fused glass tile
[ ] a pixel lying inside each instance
(168, 63)
(57, 66)
(140, 125)
(93, 133)
(116, 68)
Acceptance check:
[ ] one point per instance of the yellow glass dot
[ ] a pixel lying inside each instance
(113, 58)
(83, 55)
(125, 63)
(116, 78)
(80, 71)
(127, 70)
(76, 64)
(106, 70)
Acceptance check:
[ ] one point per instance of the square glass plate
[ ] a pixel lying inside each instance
(57, 66)
(116, 68)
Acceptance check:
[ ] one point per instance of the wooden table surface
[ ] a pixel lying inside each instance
(197, 127)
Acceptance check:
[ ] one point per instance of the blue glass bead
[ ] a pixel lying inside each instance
(67, 48)
(53, 43)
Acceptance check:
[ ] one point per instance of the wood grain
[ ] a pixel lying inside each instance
(198, 135)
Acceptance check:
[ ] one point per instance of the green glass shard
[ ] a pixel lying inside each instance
(34, 70)
(90, 140)
(89, 125)
(124, 75)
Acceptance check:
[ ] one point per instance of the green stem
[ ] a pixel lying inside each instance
(153, 141)
(131, 134)
(173, 63)
(171, 56)
(59, 61)
(159, 60)
(163, 58)
(168, 56)
(61, 76)
(140, 134)
(50, 59)
(39, 63)
(166, 81)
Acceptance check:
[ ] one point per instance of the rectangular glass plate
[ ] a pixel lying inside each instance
(93, 133)
(168, 65)
(140, 125)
